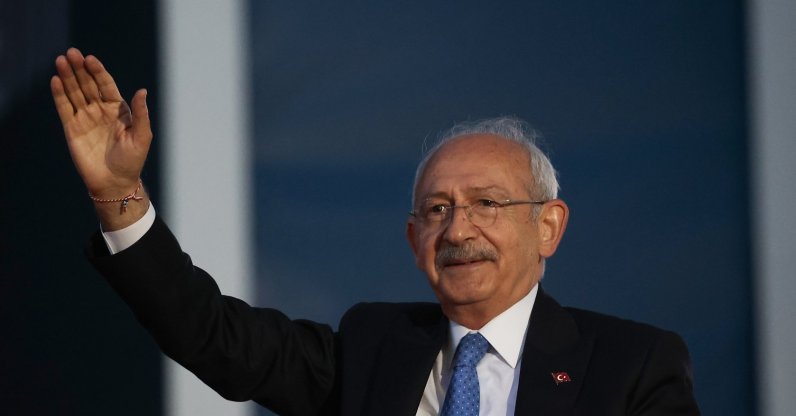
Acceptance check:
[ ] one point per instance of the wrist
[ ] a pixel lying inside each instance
(123, 201)
(117, 211)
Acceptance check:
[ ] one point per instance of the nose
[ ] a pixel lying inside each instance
(459, 228)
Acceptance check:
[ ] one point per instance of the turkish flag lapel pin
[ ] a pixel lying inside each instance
(560, 377)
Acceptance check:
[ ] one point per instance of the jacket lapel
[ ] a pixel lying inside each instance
(404, 365)
(554, 361)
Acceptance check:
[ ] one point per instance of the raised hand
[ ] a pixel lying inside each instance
(107, 139)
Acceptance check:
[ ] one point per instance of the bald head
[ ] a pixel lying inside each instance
(544, 183)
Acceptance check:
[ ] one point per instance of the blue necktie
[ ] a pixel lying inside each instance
(464, 397)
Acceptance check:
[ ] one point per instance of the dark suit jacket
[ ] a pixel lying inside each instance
(380, 359)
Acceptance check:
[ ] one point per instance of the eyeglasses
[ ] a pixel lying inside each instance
(481, 213)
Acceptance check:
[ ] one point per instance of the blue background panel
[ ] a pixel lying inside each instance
(642, 108)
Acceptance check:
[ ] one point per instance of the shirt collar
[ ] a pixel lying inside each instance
(505, 332)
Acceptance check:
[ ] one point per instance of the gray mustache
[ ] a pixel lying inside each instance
(457, 254)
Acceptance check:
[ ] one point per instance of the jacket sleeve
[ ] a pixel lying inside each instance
(242, 352)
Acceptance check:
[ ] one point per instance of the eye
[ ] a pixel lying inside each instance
(488, 203)
(437, 209)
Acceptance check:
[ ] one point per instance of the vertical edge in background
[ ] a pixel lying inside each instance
(206, 162)
(771, 37)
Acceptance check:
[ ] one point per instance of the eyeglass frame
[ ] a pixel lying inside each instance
(503, 203)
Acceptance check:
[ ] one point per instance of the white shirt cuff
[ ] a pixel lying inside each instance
(121, 239)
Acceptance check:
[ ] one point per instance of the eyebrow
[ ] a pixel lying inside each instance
(502, 192)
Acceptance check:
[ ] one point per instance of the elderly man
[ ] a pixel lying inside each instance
(485, 217)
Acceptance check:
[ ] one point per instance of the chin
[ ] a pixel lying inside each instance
(462, 296)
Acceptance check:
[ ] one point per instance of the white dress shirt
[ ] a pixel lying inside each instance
(121, 239)
(498, 371)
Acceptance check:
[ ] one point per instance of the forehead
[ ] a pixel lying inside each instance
(476, 162)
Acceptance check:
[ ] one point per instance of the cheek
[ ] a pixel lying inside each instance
(426, 253)
(515, 240)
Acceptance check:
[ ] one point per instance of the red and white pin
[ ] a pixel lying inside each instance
(560, 377)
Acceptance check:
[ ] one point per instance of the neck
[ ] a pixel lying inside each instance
(475, 315)
(472, 319)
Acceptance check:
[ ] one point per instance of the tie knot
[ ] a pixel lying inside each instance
(470, 350)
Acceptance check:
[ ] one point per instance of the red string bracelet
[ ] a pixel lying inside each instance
(124, 200)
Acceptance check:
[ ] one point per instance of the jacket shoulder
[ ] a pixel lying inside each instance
(599, 324)
(651, 364)
(616, 333)
(369, 315)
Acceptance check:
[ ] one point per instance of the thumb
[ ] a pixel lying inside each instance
(141, 125)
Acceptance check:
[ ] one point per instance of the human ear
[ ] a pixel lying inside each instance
(411, 234)
(551, 224)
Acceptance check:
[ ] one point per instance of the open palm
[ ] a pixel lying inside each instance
(108, 139)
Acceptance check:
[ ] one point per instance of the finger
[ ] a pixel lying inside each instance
(107, 86)
(62, 104)
(71, 87)
(141, 125)
(86, 81)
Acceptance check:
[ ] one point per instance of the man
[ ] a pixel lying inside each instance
(485, 217)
